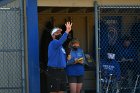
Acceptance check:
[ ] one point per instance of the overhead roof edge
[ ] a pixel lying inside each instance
(66, 3)
(85, 3)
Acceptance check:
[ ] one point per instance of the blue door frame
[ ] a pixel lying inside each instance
(33, 46)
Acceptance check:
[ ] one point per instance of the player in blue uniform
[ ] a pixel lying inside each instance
(57, 60)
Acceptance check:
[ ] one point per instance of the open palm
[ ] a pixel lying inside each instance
(68, 26)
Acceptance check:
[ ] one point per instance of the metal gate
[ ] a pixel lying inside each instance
(11, 47)
(118, 41)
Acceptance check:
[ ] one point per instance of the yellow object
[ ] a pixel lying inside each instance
(80, 59)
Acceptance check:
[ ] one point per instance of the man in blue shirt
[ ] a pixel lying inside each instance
(127, 56)
(57, 60)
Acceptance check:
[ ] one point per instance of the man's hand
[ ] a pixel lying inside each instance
(68, 27)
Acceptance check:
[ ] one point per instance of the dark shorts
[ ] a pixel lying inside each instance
(56, 80)
(75, 79)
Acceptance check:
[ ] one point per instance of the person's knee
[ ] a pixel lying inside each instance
(61, 92)
(79, 88)
(78, 91)
(73, 90)
(72, 87)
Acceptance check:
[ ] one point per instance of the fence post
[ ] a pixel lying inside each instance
(97, 46)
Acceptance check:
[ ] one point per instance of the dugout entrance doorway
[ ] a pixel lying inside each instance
(83, 29)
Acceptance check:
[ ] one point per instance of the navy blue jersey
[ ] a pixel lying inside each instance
(109, 67)
(56, 53)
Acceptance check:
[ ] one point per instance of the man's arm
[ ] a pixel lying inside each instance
(68, 29)
(64, 37)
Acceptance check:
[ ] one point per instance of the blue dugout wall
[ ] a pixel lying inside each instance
(33, 46)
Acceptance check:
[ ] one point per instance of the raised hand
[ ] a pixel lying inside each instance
(68, 27)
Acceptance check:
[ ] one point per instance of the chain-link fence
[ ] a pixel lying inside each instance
(119, 41)
(11, 47)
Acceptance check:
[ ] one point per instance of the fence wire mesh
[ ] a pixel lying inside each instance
(11, 47)
(119, 41)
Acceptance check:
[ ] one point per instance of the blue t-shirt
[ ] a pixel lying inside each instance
(56, 53)
(110, 67)
(75, 69)
(127, 53)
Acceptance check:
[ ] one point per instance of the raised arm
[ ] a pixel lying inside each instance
(64, 36)
(68, 29)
